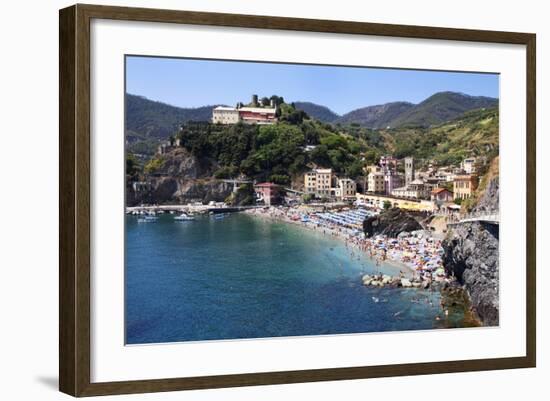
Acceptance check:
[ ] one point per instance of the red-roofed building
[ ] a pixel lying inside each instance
(441, 195)
(268, 193)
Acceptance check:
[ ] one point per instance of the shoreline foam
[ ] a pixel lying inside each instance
(337, 235)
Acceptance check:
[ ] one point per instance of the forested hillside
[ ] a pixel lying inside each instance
(284, 151)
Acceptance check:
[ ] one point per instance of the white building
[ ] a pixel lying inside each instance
(225, 115)
(468, 165)
(415, 190)
(376, 182)
(347, 188)
(248, 115)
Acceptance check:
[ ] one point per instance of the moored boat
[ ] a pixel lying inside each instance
(184, 217)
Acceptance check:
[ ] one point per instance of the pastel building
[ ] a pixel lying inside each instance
(252, 114)
(225, 115)
(391, 182)
(376, 182)
(268, 193)
(415, 190)
(441, 195)
(388, 163)
(318, 182)
(347, 188)
(464, 186)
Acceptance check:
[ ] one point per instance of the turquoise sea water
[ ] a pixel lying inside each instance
(243, 277)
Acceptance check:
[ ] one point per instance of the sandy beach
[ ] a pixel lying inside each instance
(415, 255)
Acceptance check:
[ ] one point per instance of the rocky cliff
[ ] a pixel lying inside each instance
(472, 255)
(391, 223)
(180, 178)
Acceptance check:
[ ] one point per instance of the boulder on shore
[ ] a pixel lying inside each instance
(406, 283)
(392, 223)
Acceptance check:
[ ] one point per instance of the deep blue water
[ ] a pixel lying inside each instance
(242, 277)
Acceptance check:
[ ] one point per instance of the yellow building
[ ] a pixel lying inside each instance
(464, 186)
(318, 182)
(378, 201)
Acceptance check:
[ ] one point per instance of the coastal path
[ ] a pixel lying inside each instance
(490, 217)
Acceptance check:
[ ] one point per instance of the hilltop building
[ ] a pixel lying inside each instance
(225, 115)
(464, 186)
(168, 145)
(253, 114)
(248, 115)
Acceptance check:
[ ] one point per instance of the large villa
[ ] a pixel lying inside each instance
(250, 114)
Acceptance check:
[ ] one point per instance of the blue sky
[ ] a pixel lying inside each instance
(194, 83)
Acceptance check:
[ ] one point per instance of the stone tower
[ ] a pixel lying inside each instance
(409, 170)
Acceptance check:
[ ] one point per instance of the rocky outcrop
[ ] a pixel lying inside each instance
(181, 178)
(181, 164)
(471, 254)
(488, 201)
(391, 223)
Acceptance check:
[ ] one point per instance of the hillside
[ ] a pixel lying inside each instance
(441, 107)
(318, 112)
(379, 116)
(475, 133)
(148, 121)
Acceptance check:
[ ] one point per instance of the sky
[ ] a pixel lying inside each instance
(195, 83)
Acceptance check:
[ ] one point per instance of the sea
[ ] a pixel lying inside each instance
(244, 277)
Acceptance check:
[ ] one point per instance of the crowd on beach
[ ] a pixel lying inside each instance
(418, 252)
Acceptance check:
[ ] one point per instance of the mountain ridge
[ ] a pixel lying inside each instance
(148, 121)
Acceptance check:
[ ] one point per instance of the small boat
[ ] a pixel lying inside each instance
(220, 216)
(147, 219)
(184, 217)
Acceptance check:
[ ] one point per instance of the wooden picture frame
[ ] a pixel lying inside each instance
(74, 203)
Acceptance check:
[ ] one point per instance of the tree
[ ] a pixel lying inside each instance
(132, 167)
(387, 204)
(307, 198)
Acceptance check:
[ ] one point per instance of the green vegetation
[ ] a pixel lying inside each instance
(132, 165)
(153, 165)
(274, 152)
(282, 152)
(474, 134)
(148, 121)
(320, 113)
(243, 196)
(436, 109)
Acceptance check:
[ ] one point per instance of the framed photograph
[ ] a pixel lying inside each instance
(250, 200)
